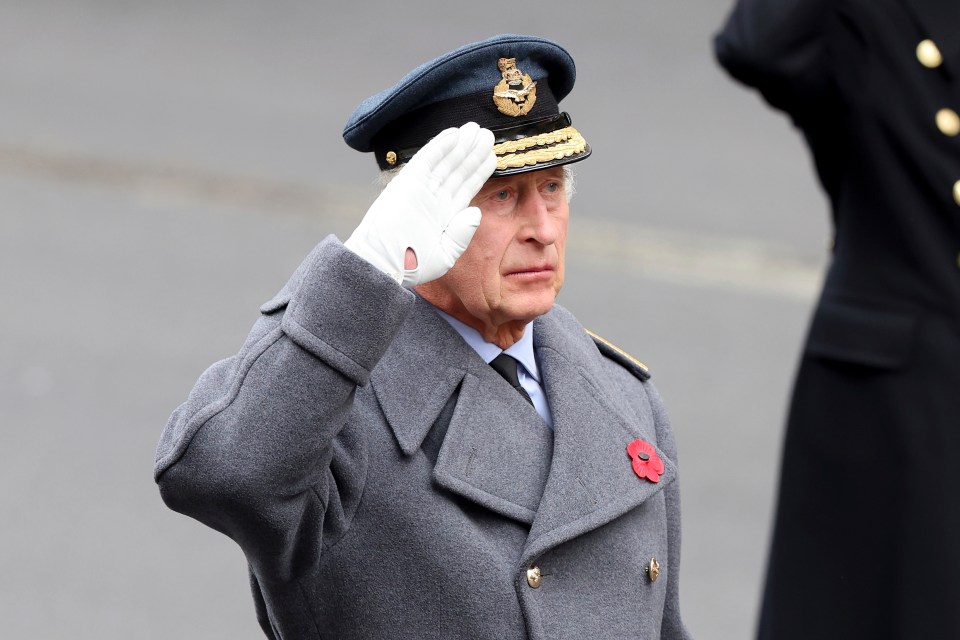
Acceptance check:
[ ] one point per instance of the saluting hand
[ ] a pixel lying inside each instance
(426, 207)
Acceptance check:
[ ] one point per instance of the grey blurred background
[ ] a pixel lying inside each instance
(164, 166)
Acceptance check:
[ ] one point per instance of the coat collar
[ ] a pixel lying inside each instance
(591, 480)
(497, 451)
(419, 372)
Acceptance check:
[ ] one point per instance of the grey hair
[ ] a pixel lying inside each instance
(569, 179)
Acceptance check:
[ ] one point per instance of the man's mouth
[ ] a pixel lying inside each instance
(531, 272)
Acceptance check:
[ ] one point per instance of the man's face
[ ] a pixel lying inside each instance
(513, 268)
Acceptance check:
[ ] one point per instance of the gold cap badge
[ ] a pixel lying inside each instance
(515, 94)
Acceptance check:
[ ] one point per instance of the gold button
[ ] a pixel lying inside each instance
(948, 122)
(653, 570)
(929, 55)
(533, 577)
(956, 191)
(391, 158)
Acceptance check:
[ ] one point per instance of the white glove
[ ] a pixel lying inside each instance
(426, 207)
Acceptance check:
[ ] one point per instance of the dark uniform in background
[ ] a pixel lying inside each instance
(866, 541)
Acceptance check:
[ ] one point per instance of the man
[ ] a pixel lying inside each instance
(384, 480)
(865, 541)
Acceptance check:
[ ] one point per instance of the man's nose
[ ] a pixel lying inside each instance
(538, 223)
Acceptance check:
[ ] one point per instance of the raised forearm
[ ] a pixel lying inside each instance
(248, 454)
(777, 46)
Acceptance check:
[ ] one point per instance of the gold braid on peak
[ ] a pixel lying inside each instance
(551, 137)
(562, 143)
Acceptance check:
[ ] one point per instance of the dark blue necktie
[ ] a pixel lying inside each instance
(506, 366)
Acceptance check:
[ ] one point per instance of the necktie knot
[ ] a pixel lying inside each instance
(506, 366)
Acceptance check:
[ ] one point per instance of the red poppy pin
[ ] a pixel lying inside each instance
(646, 463)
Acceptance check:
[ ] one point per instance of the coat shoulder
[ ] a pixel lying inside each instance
(621, 357)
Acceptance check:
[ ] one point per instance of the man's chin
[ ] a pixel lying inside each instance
(530, 306)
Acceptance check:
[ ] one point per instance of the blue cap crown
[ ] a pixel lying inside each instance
(510, 84)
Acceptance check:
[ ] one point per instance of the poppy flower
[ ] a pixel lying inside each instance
(646, 463)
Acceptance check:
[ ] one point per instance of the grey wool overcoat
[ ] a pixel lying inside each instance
(384, 482)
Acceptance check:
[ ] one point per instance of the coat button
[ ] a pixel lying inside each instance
(948, 122)
(533, 577)
(929, 55)
(653, 570)
(956, 192)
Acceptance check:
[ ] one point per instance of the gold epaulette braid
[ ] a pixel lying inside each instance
(613, 351)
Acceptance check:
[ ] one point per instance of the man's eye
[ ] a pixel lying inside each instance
(553, 187)
(501, 195)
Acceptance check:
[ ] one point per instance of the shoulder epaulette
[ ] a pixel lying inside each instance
(623, 358)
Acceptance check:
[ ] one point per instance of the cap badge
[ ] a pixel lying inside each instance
(516, 92)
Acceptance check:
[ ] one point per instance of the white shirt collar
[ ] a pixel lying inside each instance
(522, 349)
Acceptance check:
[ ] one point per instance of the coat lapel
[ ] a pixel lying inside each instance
(414, 378)
(497, 452)
(591, 480)
(497, 449)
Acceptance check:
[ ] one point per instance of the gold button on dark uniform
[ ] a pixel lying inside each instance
(533, 577)
(929, 55)
(948, 122)
(956, 192)
(653, 570)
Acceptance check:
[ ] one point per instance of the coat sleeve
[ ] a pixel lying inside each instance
(781, 48)
(249, 453)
